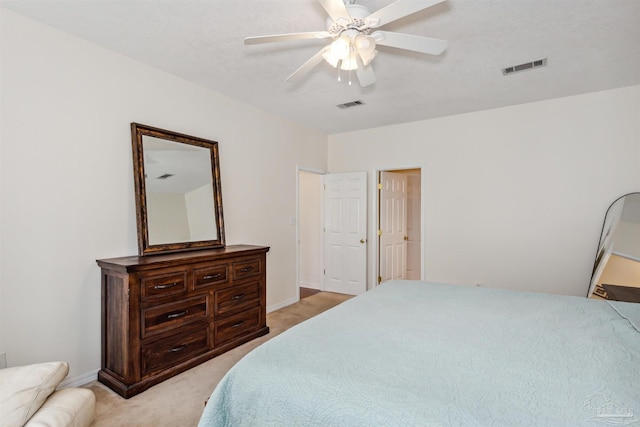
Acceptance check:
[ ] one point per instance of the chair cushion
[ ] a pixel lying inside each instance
(25, 388)
(67, 407)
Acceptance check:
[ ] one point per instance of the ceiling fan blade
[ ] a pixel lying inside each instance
(336, 10)
(410, 42)
(287, 37)
(307, 66)
(398, 10)
(366, 76)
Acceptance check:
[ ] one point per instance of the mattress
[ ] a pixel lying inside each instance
(412, 353)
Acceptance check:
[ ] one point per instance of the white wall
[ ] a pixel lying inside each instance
(515, 197)
(627, 239)
(201, 213)
(167, 218)
(67, 192)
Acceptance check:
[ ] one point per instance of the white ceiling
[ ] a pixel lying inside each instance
(591, 45)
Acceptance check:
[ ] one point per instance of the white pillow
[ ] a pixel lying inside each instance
(23, 389)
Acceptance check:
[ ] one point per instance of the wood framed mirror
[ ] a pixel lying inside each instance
(178, 191)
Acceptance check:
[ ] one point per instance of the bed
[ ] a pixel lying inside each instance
(411, 353)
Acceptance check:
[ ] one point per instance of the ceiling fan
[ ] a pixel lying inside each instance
(355, 37)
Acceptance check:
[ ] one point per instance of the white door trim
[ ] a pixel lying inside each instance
(373, 206)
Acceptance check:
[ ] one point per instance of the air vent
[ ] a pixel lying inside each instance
(350, 104)
(523, 67)
(165, 176)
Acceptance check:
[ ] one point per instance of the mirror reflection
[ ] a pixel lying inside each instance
(178, 192)
(616, 273)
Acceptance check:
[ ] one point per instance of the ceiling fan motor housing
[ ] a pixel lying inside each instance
(357, 23)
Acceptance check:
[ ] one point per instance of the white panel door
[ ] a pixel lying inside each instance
(345, 205)
(393, 226)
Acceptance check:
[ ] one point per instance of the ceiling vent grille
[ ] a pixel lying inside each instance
(524, 67)
(350, 104)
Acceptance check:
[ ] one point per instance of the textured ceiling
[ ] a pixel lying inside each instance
(591, 45)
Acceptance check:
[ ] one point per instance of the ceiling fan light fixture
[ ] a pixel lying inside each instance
(340, 48)
(366, 47)
(354, 43)
(349, 63)
(332, 60)
(341, 54)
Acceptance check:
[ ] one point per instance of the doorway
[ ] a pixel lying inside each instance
(310, 222)
(309, 234)
(399, 224)
(331, 233)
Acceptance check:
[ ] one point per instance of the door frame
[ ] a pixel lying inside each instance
(297, 220)
(375, 218)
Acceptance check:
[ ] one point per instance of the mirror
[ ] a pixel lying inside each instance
(616, 271)
(178, 192)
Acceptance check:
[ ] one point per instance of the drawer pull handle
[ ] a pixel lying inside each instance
(176, 315)
(177, 349)
(167, 286)
(212, 276)
(238, 297)
(237, 325)
(246, 269)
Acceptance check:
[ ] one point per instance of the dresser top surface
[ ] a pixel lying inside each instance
(136, 262)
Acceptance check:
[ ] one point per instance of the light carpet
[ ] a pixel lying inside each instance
(179, 401)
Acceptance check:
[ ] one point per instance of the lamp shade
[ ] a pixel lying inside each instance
(366, 47)
(344, 50)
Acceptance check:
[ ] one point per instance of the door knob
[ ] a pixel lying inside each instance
(406, 237)
(362, 240)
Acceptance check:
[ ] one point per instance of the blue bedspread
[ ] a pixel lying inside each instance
(412, 353)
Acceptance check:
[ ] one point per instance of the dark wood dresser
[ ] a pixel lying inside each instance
(163, 314)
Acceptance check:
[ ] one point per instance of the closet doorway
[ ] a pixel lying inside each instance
(310, 252)
(399, 219)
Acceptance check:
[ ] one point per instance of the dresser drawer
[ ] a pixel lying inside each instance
(210, 276)
(237, 325)
(170, 351)
(160, 285)
(236, 298)
(161, 318)
(246, 268)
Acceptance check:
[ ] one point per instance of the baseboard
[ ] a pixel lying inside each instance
(281, 305)
(311, 286)
(80, 380)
